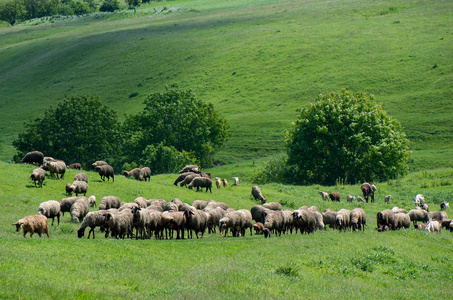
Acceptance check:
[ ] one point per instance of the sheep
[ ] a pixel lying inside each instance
(224, 182)
(267, 233)
(75, 166)
(32, 224)
(324, 195)
(38, 175)
(236, 180)
(399, 210)
(79, 210)
(334, 196)
(350, 198)
(383, 228)
(440, 215)
(258, 227)
(106, 171)
(66, 203)
(387, 199)
(141, 202)
(185, 206)
(245, 221)
(418, 214)
(195, 220)
(109, 202)
(157, 202)
(307, 221)
(50, 209)
(213, 204)
(134, 173)
(202, 182)
(231, 221)
(98, 164)
(93, 219)
(217, 182)
(176, 201)
(145, 174)
(401, 220)
(32, 158)
(170, 206)
(273, 206)
(56, 168)
(120, 223)
(188, 179)
(425, 207)
(343, 219)
(140, 221)
(358, 219)
(172, 221)
(128, 205)
(213, 217)
(257, 195)
(368, 190)
(190, 168)
(360, 199)
(444, 206)
(289, 221)
(274, 221)
(92, 201)
(200, 204)
(447, 224)
(257, 213)
(207, 175)
(434, 226)
(419, 200)
(385, 218)
(77, 187)
(182, 176)
(81, 177)
(329, 217)
(420, 226)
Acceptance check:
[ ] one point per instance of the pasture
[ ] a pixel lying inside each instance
(396, 264)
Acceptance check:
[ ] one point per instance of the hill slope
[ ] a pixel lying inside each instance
(256, 62)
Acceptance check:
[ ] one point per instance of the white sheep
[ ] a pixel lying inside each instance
(236, 180)
(92, 201)
(444, 206)
(79, 210)
(433, 226)
(419, 200)
(324, 195)
(50, 209)
(77, 187)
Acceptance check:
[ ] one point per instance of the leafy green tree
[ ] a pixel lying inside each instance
(109, 6)
(162, 159)
(78, 129)
(346, 136)
(133, 3)
(177, 119)
(12, 11)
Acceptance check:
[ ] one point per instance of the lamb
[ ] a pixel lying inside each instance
(358, 219)
(444, 206)
(257, 195)
(33, 157)
(141, 202)
(224, 182)
(267, 233)
(79, 210)
(106, 171)
(75, 166)
(50, 209)
(81, 177)
(418, 214)
(213, 217)
(274, 221)
(190, 168)
(334, 196)
(145, 174)
(38, 175)
(195, 220)
(202, 182)
(387, 199)
(401, 220)
(350, 198)
(77, 187)
(32, 224)
(385, 218)
(134, 173)
(236, 180)
(200, 204)
(217, 182)
(420, 226)
(368, 190)
(172, 221)
(56, 168)
(343, 219)
(273, 206)
(434, 226)
(120, 223)
(258, 227)
(329, 217)
(109, 202)
(93, 219)
(189, 179)
(66, 203)
(324, 195)
(440, 215)
(98, 164)
(419, 200)
(92, 201)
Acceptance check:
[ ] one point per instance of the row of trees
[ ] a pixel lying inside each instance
(175, 128)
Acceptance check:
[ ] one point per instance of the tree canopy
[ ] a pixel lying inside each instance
(78, 129)
(345, 136)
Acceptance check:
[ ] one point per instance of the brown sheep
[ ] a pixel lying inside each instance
(134, 173)
(106, 171)
(32, 224)
(145, 174)
(334, 196)
(38, 175)
(401, 220)
(257, 195)
(358, 219)
(224, 182)
(75, 166)
(190, 168)
(202, 182)
(368, 190)
(34, 157)
(182, 176)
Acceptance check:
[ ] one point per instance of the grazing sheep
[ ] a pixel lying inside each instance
(245, 221)
(324, 195)
(434, 226)
(444, 206)
(92, 201)
(358, 219)
(257, 213)
(257, 195)
(419, 200)
(334, 197)
(176, 201)
(399, 210)
(77, 187)
(401, 220)
(200, 204)
(50, 209)
(145, 174)
(267, 233)
(134, 173)
(217, 182)
(66, 203)
(236, 180)
(202, 182)
(109, 202)
(56, 168)
(81, 177)
(190, 168)
(360, 199)
(128, 205)
(75, 166)
(98, 164)
(106, 171)
(343, 219)
(350, 198)
(329, 217)
(170, 206)
(274, 221)
(383, 228)
(213, 217)
(140, 221)
(230, 221)
(258, 227)
(368, 190)
(120, 223)
(289, 221)
(32, 224)
(79, 210)
(189, 179)
(224, 182)
(213, 204)
(207, 175)
(38, 175)
(141, 202)
(425, 207)
(182, 176)
(440, 215)
(417, 215)
(34, 157)
(387, 198)
(307, 221)
(93, 219)
(385, 218)
(446, 224)
(273, 206)
(195, 220)
(173, 221)
(420, 226)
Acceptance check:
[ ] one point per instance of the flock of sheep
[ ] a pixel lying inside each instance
(162, 219)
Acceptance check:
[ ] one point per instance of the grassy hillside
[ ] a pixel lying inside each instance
(400, 264)
(256, 61)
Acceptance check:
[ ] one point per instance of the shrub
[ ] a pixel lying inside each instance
(109, 6)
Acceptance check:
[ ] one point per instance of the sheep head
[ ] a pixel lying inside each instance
(19, 224)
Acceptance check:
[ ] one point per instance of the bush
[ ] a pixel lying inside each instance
(162, 159)
(109, 6)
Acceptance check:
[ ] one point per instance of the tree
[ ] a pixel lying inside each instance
(78, 129)
(12, 11)
(162, 159)
(176, 119)
(346, 136)
(109, 6)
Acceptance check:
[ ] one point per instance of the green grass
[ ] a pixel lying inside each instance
(400, 264)
(256, 61)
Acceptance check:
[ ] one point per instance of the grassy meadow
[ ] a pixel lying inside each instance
(404, 264)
